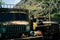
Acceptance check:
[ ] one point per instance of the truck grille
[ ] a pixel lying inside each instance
(16, 28)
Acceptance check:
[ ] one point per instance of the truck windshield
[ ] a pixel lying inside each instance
(13, 16)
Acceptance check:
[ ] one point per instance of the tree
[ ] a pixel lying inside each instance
(42, 7)
(1, 2)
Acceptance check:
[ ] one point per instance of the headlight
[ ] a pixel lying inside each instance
(3, 30)
(0, 34)
(27, 28)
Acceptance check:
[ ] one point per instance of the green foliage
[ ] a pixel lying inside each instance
(42, 7)
(1, 3)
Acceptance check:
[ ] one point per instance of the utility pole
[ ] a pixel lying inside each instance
(50, 10)
(49, 14)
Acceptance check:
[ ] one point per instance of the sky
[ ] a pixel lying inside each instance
(11, 1)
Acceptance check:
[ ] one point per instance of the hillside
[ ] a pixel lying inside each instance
(42, 7)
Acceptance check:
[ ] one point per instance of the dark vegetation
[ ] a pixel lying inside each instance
(42, 8)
